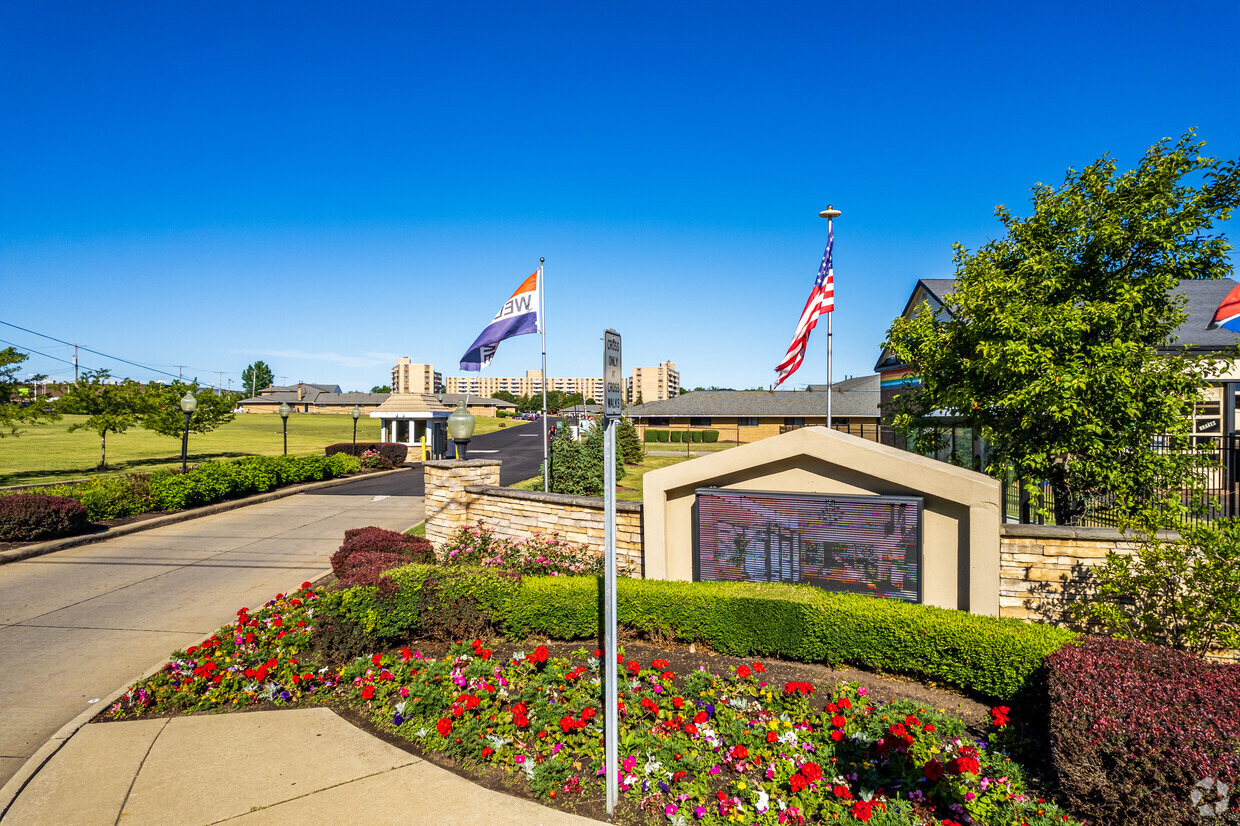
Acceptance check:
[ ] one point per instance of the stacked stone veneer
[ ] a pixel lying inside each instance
(466, 493)
(1043, 569)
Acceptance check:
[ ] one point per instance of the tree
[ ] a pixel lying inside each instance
(1050, 346)
(577, 467)
(162, 414)
(381, 388)
(13, 414)
(111, 407)
(628, 444)
(257, 376)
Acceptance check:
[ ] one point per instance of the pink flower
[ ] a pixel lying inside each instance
(671, 809)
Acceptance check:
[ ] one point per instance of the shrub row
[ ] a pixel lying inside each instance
(995, 658)
(1135, 728)
(394, 452)
(38, 516)
(116, 496)
(682, 436)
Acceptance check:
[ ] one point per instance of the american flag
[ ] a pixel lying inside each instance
(821, 300)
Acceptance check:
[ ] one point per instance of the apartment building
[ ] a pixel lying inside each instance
(415, 378)
(654, 384)
(531, 384)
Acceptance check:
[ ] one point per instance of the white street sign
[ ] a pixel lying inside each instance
(613, 381)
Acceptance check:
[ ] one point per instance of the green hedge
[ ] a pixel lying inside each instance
(694, 436)
(995, 658)
(676, 434)
(710, 436)
(115, 496)
(663, 435)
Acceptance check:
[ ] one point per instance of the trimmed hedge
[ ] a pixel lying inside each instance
(995, 658)
(371, 540)
(663, 435)
(1135, 727)
(675, 435)
(394, 452)
(38, 516)
(710, 436)
(694, 436)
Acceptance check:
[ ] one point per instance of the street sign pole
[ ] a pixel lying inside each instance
(612, 391)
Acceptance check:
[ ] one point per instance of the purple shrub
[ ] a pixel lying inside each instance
(1136, 727)
(27, 516)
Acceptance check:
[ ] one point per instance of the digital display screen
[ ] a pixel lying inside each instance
(858, 544)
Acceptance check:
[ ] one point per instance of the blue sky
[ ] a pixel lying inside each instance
(329, 186)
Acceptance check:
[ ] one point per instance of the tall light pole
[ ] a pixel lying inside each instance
(188, 404)
(356, 414)
(830, 213)
(284, 411)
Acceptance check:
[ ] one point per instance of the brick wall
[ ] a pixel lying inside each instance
(465, 493)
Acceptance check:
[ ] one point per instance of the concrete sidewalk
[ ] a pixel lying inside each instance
(264, 767)
(79, 623)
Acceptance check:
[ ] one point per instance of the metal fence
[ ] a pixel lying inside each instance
(1218, 457)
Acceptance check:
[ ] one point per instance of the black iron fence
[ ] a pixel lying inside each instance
(1217, 459)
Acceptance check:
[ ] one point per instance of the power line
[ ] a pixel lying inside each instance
(36, 352)
(89, 350)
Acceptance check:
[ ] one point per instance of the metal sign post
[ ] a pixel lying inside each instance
(613, 384)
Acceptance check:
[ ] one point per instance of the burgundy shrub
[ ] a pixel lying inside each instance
(26, 516)
(394, 452)
(1136, 727)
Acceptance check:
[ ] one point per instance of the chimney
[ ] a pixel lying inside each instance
(301, 392)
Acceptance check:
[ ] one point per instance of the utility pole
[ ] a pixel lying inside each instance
(75, 365)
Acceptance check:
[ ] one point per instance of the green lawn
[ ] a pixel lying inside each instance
(48, 453)
(628, 489)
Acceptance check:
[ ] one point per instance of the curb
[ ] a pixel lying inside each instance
(18, 554)
(18, 782)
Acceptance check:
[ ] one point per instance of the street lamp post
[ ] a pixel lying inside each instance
(188, 404)
(284, 411)
(461, 427)
(357, 414)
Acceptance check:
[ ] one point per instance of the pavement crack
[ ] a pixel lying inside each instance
(121, 811)
(319, 791)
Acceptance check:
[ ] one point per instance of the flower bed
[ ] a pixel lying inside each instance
(702, 748)
(543, 554)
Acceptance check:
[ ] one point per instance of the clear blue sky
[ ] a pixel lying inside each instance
(328, 186)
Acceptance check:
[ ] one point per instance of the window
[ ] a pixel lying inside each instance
(657, 421)
(747, 421)
(794, 421)
(699, 421)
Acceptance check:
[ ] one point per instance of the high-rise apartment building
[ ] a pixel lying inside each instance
(531, 384)
(653, 384)
(415, 378)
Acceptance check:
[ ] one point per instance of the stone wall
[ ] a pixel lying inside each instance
(466, 493)
(447, 502)
(1043, 569)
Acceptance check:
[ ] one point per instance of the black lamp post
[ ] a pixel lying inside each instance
(461, 427)
(284, 411)
(188, 404)
(357, 414)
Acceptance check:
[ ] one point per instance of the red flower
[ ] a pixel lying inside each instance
(759, 667)
(678, 702)
(837, 736)
(838, 720)
(771, 737)
(488, 751)
(376, 659)
(841, 791)
(406, 654)
(1000, 716)
(797, 782)
(700, 717)
(444, 727)
(634, 667)
(963, 764)
(659, 664)
(933, 771)
(667, 675)
(812, 772)
(845, 703)
(587, 713)
(743, 672)
(863, 810)
(539, 656)
(305, 585)
(740, 752)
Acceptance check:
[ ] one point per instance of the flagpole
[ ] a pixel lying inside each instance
(542, 328)
(830, 213)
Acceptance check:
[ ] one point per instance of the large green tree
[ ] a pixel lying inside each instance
(256, 377)
(1054, 344)
(162, 414)
(15, 413)
(110, 407)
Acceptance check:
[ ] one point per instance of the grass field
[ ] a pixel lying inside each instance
(49, 453)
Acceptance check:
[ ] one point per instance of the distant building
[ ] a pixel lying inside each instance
(311, 398)
(531, 384)
(654, 384)
(750, 415)
(415, 378)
